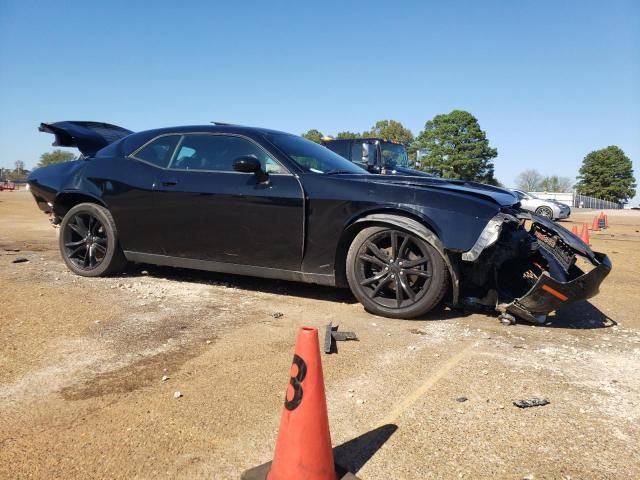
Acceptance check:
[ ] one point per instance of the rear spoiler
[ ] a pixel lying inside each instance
(88, 137)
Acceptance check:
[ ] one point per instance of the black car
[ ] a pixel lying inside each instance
(375, 155)
(259, 202)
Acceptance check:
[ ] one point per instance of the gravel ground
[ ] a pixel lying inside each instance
(90, 367)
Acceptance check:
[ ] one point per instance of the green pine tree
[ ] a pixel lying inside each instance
(607, 174)
(456, 148)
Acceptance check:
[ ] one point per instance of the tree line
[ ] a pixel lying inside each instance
(20, 173)
(532, 180)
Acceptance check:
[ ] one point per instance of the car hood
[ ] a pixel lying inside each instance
(406, 171)
(498, 195)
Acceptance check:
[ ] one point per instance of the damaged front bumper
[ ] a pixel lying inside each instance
(537, 265)
(549, 294)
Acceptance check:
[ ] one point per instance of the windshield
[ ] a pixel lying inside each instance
(312, 157)
(522, 195)
(394, 155)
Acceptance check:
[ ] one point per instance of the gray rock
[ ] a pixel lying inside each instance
(531, 402)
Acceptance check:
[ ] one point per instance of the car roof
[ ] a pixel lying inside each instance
(132, 142)
(222, 128)
(137, 139)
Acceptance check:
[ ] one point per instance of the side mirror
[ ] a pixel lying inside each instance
(247, 164)
(365, 153)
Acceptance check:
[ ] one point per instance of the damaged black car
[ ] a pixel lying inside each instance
(264, 203)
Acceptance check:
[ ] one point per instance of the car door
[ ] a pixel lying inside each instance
(126, 185)
(211, 212)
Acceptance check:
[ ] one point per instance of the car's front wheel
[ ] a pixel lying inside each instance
(394, 273)
(545, 212)
(88, 241)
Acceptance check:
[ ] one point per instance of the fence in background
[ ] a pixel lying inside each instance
(566, 198)
(576, 200)
(583, 201)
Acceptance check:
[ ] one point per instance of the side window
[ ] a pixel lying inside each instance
(363, 152)
(356, 153)
(218, 153)
(159, 151)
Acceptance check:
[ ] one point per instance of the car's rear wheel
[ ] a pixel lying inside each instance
(545, 212)
(88, 241)
(395, 273)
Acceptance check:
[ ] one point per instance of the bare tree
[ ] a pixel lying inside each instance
(554, 183)
(529, 180)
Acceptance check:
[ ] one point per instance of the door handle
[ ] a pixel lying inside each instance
(169, 183)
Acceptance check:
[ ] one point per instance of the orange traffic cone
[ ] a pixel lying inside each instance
(584, 234)
(594, 224)
(574, 230)
(606, 221)
(303, 449)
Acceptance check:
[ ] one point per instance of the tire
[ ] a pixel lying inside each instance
(88, 241)
(545, 212)
(413, 266)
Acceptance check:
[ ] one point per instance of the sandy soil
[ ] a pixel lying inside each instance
(82, 361)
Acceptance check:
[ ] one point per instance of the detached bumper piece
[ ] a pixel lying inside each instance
(549, 294)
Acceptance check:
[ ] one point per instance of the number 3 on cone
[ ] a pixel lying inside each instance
(295, 383)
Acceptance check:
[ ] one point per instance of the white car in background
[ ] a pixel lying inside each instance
(545, 208)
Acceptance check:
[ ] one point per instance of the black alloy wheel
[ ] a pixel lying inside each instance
(85, 241)
(396, 273)
(89, 241)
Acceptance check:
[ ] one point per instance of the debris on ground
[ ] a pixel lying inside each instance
(531, 402)
(417, 331)
(461, 399)
(277, 314)
(20, 260)
(331, 336)
(177, 394)
(165, 378)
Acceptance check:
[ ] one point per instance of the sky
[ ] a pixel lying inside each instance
(548, 81)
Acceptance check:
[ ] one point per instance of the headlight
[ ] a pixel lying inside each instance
(488, 237)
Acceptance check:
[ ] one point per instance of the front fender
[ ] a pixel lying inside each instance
(423, 232)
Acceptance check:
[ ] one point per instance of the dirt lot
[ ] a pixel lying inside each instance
(82, 361)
